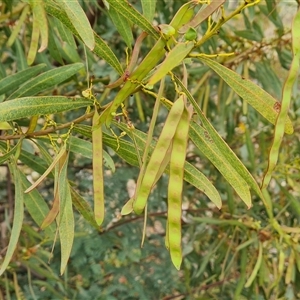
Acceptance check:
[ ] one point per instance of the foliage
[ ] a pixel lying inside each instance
(79, 115)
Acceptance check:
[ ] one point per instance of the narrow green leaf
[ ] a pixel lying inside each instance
(66, 226)
(70, 54)
(6, 155)
(248, 35)
(256, 267)
(149, 9)
(259, 99)
(54, 46)
(85, 148)
(65, 218)
(12, 82)
(37, 207)
(39, 15)
(123, 26)
(17, 28)
(34, 41)
(101, 48)
(32, 106)
(18, 215)
(79, 20)
(286, 99)
(20, 57)
(55, 161)
(83, 208)
(46, 80)
(34, 162)
(210, 149)
(173, 59)
(64, 32)
(267, 77)
(131, 14)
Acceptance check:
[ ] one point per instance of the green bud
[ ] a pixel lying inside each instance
(191, 34)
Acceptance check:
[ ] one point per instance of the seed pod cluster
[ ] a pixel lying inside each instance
(171, 147)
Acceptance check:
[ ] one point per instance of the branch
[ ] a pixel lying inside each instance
(46, 131)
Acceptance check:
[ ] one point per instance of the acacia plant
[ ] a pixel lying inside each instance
(45, 120)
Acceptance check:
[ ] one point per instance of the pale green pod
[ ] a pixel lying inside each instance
(98, 183)
(158, 156)
(175, 187)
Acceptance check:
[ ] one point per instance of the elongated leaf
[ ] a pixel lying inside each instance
(79, 20)
(173, 59)
(17, 28)
(259, 99)
(65, 217)
(34, 41)
(101, 48)
(122, 24)
(18, 216)
(55, 161)
(34, 162)
(6, 155)
(65, 33)
(131, 14)
(149, 9)
(202, 15)
(60, 164)
(40, 15)
(85, 148)
(66, 227)
(11, 82)
(210, 149)
(286, 99)
(46, 80)
(32, 106)
(37, 207)
(267, 77)
(83, 208)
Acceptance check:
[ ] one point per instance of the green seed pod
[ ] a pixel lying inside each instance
(158, 155)
(98, 183)
(175, 186)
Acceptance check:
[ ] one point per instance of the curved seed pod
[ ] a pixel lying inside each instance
(158, 156)
(175, 187)
(98, 184)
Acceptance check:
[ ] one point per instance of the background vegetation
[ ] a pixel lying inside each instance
(228, 253)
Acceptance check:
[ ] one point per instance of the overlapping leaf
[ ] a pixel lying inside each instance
(46, 80)
(32, 106)
(259, 99)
